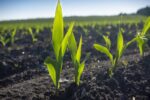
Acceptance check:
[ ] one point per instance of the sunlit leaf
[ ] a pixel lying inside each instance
(140, 43)
(14, 32)
(50, 64)
(58, 31)
(72, 47)
(130, 42)
(107, 41)
(80, 71)
(120, 44)
(146, 26)
(104, 50)
(78, 55)
(66, 38)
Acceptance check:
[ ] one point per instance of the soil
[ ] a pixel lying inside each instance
(23, 75)
(128, 82)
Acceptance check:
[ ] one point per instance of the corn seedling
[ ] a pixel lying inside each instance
(59, 42)
(107, 42)
(119, 50)
(141, 37)
(13, 36)
(37, 30)
(76, 55)
(4, 40)
(34, 39)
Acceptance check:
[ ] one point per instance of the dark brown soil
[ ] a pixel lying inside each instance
(132, 81)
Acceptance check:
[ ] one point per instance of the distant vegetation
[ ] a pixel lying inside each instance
(89, 20)
(144, 11)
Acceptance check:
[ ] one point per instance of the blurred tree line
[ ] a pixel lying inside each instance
(144, 11)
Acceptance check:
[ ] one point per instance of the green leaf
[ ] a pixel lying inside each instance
(120, 44)
(140, 43)
(58, 31)
(50, 64)
(14, 33)
(80, 71)
(146, 26)
(104, 50)
(30, 30)
(32, 35)
(107, 41)
(72, 47)
(140, 38)
(13, 36)
(66, 38)
(4, 40)
(78, 55)
(130, 42)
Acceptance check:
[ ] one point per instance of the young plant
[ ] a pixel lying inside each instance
(141, 37)
(107, 42)
(59, 42)
(13, 36)
(4, 40)
(33, 35)
(76, 56)
(119, 50)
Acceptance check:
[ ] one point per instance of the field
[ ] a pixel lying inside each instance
(23, 75)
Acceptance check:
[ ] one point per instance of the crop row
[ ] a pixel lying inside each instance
(62, 42)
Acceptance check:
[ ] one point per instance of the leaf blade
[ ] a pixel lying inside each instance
(66, 38)
(78, 55)
(58, 31)
(50, 64)
(104, 50)
(120, 44)
(80, 71)
(72, 47)
(146, 26)
(107, 41)
(140, 43)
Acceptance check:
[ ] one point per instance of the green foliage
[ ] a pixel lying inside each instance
(89, 20)
(76, 56)
(104, 50)
(120, 45)
(33, 35)
(13, 36)
(58, 31)
(51, 64)
(107, 41)
(59, 42)
(141, 37)
(4, 40)
(146, 26)
(119, 51)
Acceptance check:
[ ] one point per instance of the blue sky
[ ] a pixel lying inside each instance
(25, 9)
